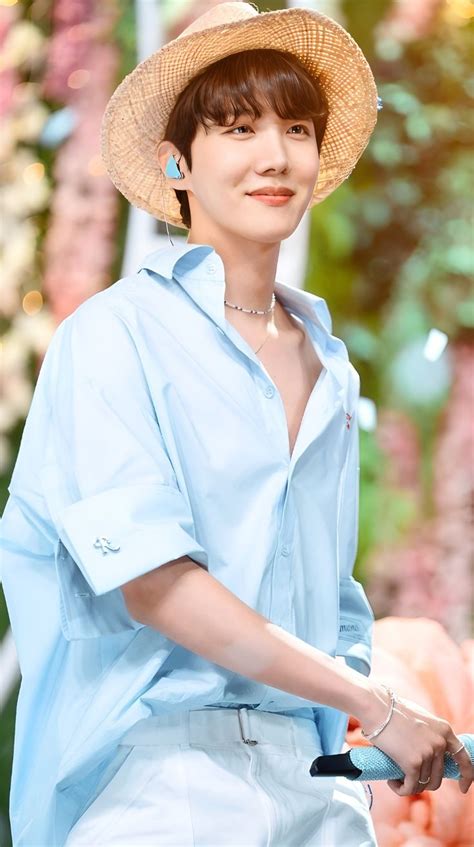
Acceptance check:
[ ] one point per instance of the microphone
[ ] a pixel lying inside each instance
(371, 763)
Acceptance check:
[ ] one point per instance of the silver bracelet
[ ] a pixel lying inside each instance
(393, 700)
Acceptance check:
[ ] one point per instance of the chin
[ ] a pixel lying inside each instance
(270, 237)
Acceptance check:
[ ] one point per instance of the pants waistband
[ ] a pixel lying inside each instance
(212, 727)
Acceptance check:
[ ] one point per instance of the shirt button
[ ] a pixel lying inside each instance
(285, 550)
(211, 269)
(269, 391)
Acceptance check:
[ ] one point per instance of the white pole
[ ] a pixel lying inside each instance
(142, 235)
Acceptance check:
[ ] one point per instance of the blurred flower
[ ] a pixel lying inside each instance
(27, 335)
(408, 20)
(58, 127)
(398, 437)
(429, 571)
(16, 386)
(18, 249)
(453, 495)
(84, 201)
(24, 191)
(419, 660)
(458, 11)
(24, 44)
(28, 115)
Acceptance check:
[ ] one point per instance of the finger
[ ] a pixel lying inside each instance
(395, 785)
(410, 784)
(437, 770)
(466, 769)
(421, 780)
(402, 787)
(463, 761)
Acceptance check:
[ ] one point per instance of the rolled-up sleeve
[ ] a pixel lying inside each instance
(122, 533)
(107, 479)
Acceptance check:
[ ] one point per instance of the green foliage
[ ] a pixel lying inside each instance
(125, 37)
(385, 516)
(392, 250)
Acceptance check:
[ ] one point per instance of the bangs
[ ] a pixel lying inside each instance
(249, 82)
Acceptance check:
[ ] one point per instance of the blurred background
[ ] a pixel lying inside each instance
(391, 250)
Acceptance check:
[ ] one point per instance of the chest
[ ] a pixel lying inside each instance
(295, 368)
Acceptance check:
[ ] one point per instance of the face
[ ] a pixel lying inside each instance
(230, 162)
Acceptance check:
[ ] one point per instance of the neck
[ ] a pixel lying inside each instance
(250, 270)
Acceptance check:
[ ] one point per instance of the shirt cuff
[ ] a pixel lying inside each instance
(125, 532)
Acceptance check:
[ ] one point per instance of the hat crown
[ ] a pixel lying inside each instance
(223, 13)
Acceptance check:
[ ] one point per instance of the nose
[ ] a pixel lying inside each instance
(273, 152)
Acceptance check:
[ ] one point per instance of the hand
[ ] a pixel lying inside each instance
(417, 741)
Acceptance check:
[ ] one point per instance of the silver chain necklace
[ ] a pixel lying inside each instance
(255, 312)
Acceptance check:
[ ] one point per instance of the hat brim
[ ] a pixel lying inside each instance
(137, 114)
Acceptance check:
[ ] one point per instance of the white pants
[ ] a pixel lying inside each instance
(190, 780)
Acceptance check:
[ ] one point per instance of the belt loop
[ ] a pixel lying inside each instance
(245, 734)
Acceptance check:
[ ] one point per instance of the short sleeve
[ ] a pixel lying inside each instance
(107, 479)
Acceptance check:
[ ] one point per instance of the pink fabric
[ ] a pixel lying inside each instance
(420, 661)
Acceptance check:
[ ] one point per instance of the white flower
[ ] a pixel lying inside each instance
(24, 44)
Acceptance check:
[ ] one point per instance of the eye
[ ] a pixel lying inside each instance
(242, 126)
(301, 126)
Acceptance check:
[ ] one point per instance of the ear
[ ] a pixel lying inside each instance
(164, 151)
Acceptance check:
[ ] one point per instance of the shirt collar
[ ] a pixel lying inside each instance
(199, 270)
(193, 264)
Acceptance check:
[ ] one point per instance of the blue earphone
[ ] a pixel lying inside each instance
(172, 168)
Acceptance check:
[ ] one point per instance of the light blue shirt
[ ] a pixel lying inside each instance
(155, 432)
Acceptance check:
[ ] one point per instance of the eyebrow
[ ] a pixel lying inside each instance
(249, 115)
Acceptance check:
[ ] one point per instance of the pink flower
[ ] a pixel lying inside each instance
(421, 662)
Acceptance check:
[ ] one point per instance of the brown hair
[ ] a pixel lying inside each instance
(240, 83)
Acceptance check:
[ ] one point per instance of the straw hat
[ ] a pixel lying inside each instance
(137, 114)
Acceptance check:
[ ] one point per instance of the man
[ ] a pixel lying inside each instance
(182, 525)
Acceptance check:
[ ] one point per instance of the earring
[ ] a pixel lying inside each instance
(172, 170)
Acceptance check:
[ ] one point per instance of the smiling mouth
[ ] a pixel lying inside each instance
(272, 199)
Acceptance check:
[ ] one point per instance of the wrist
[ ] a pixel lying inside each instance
(374, 733)
(372, 705)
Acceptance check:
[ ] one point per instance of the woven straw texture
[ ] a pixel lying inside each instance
(137, 113)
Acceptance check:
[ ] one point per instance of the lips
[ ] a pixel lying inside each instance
(273, 192)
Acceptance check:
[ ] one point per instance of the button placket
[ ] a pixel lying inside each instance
(280, 610)
(274, 413)
(282, 576)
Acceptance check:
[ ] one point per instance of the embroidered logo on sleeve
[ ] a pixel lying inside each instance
(105, 545)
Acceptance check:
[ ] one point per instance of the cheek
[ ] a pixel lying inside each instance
(312, 162)
(216, 176)
(310, 173)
